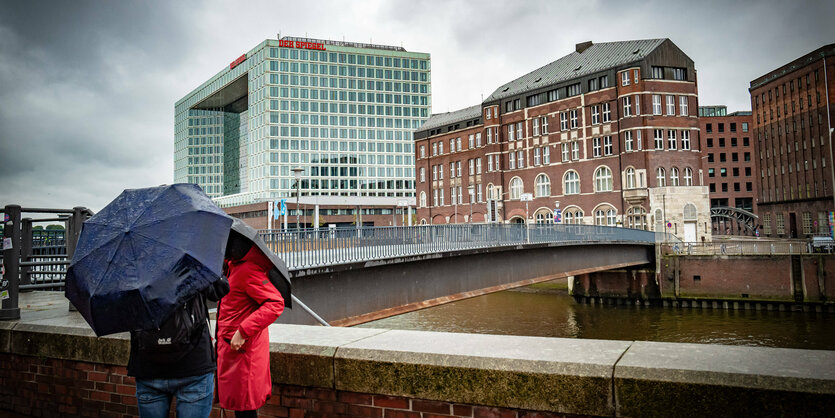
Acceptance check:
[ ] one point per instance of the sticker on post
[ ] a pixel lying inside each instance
(4, 295)
(7, 243)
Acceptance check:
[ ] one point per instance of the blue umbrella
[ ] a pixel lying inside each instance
(145, 253)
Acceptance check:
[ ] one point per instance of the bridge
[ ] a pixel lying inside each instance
(354, 275)
(351, 276)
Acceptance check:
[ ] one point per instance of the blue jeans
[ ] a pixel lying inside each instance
(193, 393)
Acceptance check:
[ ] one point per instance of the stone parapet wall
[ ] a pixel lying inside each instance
(56, 367)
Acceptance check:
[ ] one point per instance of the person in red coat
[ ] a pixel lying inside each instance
(243, 315)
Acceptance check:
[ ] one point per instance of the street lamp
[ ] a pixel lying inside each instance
(471, 191)
(297, 173)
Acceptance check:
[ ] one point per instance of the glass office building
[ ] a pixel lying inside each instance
(343, 112)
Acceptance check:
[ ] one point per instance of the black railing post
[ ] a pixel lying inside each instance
(25, 250)
(74, 223)
(9, 285)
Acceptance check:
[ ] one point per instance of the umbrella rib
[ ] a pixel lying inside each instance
(138, 272)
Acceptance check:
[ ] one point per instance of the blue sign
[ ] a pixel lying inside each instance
(283, 207)
(557, 216)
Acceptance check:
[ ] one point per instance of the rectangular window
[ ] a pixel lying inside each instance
(627, 106)
(607, 145)
(658, 72)
(546, 155)
(511, 160)
(478, 139)
(659, 139)
(638, 140)
(440, 147)
(573, 89)
(422, 151)
(471, 141)
(489, 135)
(604, 81)
(564, 121)
(767, 224)
(624, 78)
(519, 130)
(435, 148)
(679, 74)
(682, 105)
(451, 169)
(565, 151)
(596, 148)
(472, 166)
(595, 115)
(685, 140)
(510, 132)
(453, 195)
(671, 139)
(635, 76)
(671, 105)
(574, 119)
(607, 113)
(544, 125)
(537, 158)
(434, 172)
(781, 228)
(458, 167)
(489, 164)
(457, 141)
(637, 104)
(423, 174)
(575, 150)
(627, 140)
(520, 157)
(535, 123)
(498, 162)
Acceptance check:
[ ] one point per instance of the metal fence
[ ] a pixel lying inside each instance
(313, 248)
(758, 247)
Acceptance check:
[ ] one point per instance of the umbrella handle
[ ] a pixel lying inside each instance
(310, 311)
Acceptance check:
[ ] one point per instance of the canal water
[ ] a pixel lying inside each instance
(548, 311)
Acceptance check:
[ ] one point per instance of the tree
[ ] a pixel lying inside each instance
(55, 227)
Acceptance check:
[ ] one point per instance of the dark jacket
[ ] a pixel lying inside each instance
(199, 361)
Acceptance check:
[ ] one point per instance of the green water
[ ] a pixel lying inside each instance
(551, 312)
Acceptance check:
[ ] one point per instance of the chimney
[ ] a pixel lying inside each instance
(583, 46)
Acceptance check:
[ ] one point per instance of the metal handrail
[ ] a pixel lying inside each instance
(322, 247)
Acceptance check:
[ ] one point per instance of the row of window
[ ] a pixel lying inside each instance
(343, 58)
(820, 226)
(749, 187)
(791, 84)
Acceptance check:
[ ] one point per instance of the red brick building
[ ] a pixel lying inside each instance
(610, 133)
(792, 125)
(729, 163)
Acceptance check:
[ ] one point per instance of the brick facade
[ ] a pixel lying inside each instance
(731, 172)
(792, 142)
(48, 387)
(605, 125)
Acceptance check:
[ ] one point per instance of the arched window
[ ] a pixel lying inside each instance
(688, 176)
(636, 217)
(605, 215)
(630, 178)
(543, 186)
(603, 179)
(516, 188)
(573, 215)
(690, 212)
(491, 191)
(423, 199)
(674, 176)
(660, 177)
(571, 182)
(544, 216)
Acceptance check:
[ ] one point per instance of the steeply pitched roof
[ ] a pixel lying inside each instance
(596, 57)
(443, 119)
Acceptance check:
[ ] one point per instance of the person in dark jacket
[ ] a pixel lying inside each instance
(253, 303)
(190, 379)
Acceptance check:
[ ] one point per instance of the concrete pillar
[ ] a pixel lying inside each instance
(316, 216)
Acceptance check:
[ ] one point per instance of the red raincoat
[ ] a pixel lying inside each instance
(253, 303)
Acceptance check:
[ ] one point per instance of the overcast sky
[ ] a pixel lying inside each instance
(87, 88)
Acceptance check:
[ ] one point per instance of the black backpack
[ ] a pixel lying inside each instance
(177, 335)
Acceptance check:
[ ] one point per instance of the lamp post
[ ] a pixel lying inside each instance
(297, 173)
(471, 191)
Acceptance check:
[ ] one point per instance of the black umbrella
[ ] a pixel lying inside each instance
(144, 254)
(279, 275)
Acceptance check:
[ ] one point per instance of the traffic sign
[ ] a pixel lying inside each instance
(526, 197)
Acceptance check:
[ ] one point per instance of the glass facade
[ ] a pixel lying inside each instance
(343, 112)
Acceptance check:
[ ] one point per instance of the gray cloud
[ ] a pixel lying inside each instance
(87, 88)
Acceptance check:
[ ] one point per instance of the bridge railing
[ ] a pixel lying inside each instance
(757, 247)
(312, 248)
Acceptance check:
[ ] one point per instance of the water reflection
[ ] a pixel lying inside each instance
(555, 314)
